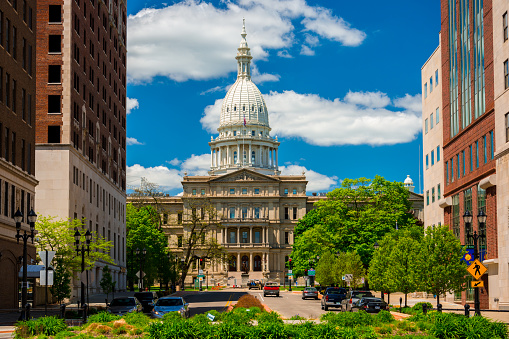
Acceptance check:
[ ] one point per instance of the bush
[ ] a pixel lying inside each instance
(418, 306)
(384, 317)
(137, 319)
(248, 301)
(272, 330)
(348, 319)
(72, 315)
(102, 317)
(43, 325)
(385, 329)
(267, 317)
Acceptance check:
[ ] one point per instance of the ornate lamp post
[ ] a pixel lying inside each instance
(481, 219)
(18, 218)
(141, 254)
(82, 250)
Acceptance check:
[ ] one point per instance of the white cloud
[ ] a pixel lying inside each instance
(194, 39)
(214, 90)
(318, 121)
(132, 103)
(311, 40)
(166, 178)
(196, 164)
(132, 141)
(316, 181)
(284, 54)
(306, 50)
(368, 99)
(174, 162)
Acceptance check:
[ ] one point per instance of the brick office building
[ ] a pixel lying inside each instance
(81, 120)
(468, 128)
(17, 137)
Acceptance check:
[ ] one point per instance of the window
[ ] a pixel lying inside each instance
(232, 212)
(244, 191)
(253, 157)
(506, 74)
(438, 153)
(244, 212)
(427, 198)
(233, 237)
(55, 13)
(202, 192)
(53, 134)
(426, 126)
(294, 191)
(257, 212)
(427, 161)
(286, 214)
(53, 103)
(432, 158)
(54, 74)
(294, 213)
(245, 239)
(492, 146)
(437, 117)
(432, 194)
(430, 84)
(447, 172)
(256, 191)
(467, 206)
(257, 238)
(436, 78)
(456, 215)
(232, 190)
(452, 169)
(234, 133)
(287, 238)
(286, 191)
(14, 42)
(194, 191)
(235, 157)
(504, 25)
(55, 44)
(438, 192)
(431, 121)
(179, 218)
(425, 90)
(252, 133)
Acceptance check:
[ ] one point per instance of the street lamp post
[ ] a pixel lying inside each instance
(83, 249)
(141, 255)
(18, 218)
(481, 218)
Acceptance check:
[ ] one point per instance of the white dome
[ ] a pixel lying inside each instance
(244, 100)
(408, 180)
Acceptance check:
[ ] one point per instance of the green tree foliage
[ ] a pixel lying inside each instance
(332, 267)
(143, 232)
(107, 283)
(58, 236)
(351, 219)
(326, 274)
(441, 268)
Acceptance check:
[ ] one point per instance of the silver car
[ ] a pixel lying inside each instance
(121, 306)
(310, 292)
(170, 304)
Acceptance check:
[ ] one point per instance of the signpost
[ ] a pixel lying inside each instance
(46, 278)
(477, 269)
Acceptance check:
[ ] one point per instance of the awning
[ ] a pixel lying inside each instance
(32, 271)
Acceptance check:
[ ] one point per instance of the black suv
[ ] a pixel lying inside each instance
(147, 299)
(352, 297)
(332, 297)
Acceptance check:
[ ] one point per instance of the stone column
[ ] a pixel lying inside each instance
(211, 157)
(249, 157)
(239, 266)
(219, 160)
(268, 262)
(276, 158)
(238, 235)
(250, 262)
(238, 154)
(251, 234)
(263, 235)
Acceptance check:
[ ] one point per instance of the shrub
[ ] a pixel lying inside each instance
(302, 331)
(247, 301)
(137, 319)
(179, 329)
(418, 306)
(217, 315)
(272, 330)
(384, 317)
(266, 317)
(348, 319)
(43, 325)
(102, 317)
(297, 317)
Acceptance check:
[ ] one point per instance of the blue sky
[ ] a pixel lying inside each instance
(341, 80)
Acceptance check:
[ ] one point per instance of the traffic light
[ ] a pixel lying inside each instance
(306, 272)
(202, 263)
(290, 261)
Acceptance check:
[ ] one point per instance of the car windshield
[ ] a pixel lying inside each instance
(361, 294)
(123, 302)
(272, 284)
(169, 302)
(335, 291)
(368, 300)
(310, 289)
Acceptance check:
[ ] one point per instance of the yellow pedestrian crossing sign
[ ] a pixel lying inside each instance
(477, 283)
(477, 269)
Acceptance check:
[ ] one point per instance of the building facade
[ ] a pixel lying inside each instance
(468, 105)
(432, 137)
(17, 138)
(81, 120)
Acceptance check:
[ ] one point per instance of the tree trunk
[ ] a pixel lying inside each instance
(438, 299)
(406, 295)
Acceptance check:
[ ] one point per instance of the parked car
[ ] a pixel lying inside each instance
(352, 297)
(147, 299)
(310, 292)
(123, 305)
(370, 305)
(255, 284)
(332, 297)
(271, 288)
(170, 304)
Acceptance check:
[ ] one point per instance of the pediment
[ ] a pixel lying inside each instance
(244, 175)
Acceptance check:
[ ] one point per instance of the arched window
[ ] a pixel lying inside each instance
(244, 108)
(235, 108)
(257, 263)
(253, 157)
(235, 157)
(245, 263)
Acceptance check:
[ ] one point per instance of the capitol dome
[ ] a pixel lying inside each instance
(409, 183)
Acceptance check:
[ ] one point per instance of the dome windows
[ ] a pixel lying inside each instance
(260, 109)
(235, 108)
(244, 108)
(252, 108)
(227, 109)
(235, 157)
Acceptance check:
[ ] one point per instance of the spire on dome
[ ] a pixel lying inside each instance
(244, 55)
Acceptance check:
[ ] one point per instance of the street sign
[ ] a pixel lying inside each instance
(142, 274)
(348, 277)
(476, 269)
(201, 278)
(289, 272)
(42, 277)
(477, 283)
(46, 257)
(200, 272)
(311, 272)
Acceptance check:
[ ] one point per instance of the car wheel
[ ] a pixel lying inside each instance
(326, 308)
(321, 306)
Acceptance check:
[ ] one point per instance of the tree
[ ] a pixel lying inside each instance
(107, 283)
(143, 233)
(351, 263)
(441, 268)
(326, 274)
(353, 217)
(58, 236)
(149, 194)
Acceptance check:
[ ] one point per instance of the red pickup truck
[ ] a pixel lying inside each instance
(271, 288)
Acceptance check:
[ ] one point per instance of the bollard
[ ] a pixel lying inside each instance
(424, 308)
(85, 306)
(62, 311)
(439, 308)
(467, 310)
(27, 314)
(400, 302)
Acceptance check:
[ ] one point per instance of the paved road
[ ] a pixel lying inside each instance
(202, 302)
(290, 304)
